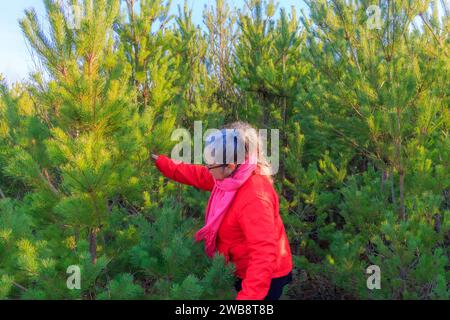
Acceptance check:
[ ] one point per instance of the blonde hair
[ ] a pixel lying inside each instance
(253, 143)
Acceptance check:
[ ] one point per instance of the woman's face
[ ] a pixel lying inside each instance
(220, 172)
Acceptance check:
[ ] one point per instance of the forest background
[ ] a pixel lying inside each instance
(357, 88)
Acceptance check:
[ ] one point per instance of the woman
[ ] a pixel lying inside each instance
(242, 216)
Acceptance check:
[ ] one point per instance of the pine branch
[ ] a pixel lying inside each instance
(19, 286)
(46, 178)
(355, 144)
(425, 21)
(347, 35)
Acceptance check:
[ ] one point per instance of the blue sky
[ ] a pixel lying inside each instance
(15, 58)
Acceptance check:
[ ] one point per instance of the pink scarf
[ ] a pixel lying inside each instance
(221, 198)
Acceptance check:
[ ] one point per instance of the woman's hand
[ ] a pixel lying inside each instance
(154, 157)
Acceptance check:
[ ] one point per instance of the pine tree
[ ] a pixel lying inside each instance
(76, 143)
(176, 265)
(144, 42)
(270, 74)
(383, 97)
(92, 116)
(197, 89)
(362, 108)
(221, 25)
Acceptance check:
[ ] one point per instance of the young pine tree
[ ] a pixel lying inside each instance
(381, 92)
(90, 118)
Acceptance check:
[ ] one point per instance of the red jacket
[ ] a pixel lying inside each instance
(251, 234)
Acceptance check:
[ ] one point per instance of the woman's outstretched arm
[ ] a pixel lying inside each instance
(190, 174)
